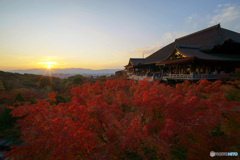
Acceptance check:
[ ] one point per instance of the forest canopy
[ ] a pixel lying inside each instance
(123, 119)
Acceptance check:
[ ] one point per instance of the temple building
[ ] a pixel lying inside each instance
(205, 54)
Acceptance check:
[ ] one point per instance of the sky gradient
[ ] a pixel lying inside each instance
(101, 34)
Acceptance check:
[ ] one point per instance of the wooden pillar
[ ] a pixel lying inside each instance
(191, 69)
(194, 67)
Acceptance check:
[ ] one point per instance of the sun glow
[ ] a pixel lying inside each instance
(48, 65)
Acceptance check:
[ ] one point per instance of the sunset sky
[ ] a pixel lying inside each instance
(101, 34)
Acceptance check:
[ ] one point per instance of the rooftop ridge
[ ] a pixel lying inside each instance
(187, 46)
(137, 58)
(230, 30)
(161, 49)
(209, 28)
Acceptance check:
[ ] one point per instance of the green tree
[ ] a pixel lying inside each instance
(2, 86)
(60, 99)
(19, 98)
(78, 79)
(32, 100)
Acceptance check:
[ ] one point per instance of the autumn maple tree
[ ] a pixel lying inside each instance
(122, 119)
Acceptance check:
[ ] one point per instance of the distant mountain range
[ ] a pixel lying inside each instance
(68, 71)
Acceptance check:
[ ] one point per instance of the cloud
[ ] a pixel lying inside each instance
(165, 39)
(225, 13)
(189, 19)
(145, 51)
(170, 37)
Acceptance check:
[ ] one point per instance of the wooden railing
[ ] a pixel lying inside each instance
(140, 77)
(166, 77)
(191, 76)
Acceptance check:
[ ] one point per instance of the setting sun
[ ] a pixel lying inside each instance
(48, 65)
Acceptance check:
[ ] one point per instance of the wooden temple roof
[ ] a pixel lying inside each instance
(180, 60)
(195, 45)
(202, 55)
(135, 62)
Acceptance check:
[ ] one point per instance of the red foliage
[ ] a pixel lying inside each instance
(123, 119)
(52, 96)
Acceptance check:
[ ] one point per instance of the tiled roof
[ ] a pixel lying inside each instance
(201, 55)
(206, 38)
(136, 61)
(202, 40)
(232, 35)
(179, 60)
(161, 54)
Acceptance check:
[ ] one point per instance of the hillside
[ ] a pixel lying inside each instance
(68, 71)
